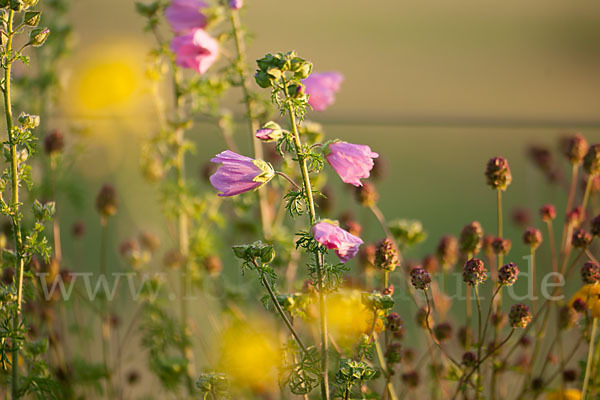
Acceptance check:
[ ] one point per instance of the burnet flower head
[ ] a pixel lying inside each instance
(185, 15)
(195, 50)
(321, 88)
(238, 174)
(352, 162)
(330, 235)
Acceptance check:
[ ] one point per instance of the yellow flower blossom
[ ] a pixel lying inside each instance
(591, 295)
(568, 394)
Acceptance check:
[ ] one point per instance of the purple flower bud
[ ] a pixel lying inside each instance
(575, 217)
(236, 4)
(519, 316)
(386, 256)
(507, 274)
(335, 238)
(443, 331)
(579, 305)
(420, 278)
(591, 161)
(532, 237)
(471, 238)
(321, 88)
(447, 251)
(106, 201)
(367, 194)
(352, 162)
(547, 212)
(574, 148)
(270, 132)
(498, 173)
(195, 50)
(581, 239)
(501, 246)
(238, 174)
(474, 272)
(469, 359)
(394, 322)
(590, 273)
(185, 15)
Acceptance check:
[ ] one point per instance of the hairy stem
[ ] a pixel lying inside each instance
(16, 217)
(320, 284)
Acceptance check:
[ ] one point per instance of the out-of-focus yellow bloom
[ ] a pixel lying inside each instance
(250, 356)
(567, 394)
(348, 318)
(107, 78)
(591, 295)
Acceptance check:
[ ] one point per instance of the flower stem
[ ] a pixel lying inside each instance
(104, 311)
(479, 339)
(282, 313)
(16, 218)
(588, 189)
(588, 367)
(320, 284)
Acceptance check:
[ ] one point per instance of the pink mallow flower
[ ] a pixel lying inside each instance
(321, 88)
(236, 4)
(196, 50)
(238, 174)
(185, 15)
(330, 235)
(352, 162)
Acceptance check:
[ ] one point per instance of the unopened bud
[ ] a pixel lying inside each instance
(498, 173)
(37, 37)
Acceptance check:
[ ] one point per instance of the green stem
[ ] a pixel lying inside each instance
(479, 340)
(588, 367)
(104, 311)
(16, 218)
(588, 189)
(320, 284)
(380, 357)
(499, 297)
(281, 312)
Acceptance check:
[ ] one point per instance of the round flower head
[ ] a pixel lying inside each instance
(507, 274)
(469, 359)
(394, 322)
(547, 212)
(519, 316)
(590, 273)
(443, 331)
(386, 256)
(575, 217)
(581, 239)
(498, 173)
(574, 148)
(195, 50)
(185, 15)
(420, 278)
(321, 88)
(393, 354)
(595, 225)
(430, 263)
(471, 238)
(447, 251)
(501, 246)
(352, 162)
(335, 238)
(238, 174)
(367, 194)
(591, 161)
(106, 201)
(54, 142)
(474, 272)
(532, 237)
(411, 378)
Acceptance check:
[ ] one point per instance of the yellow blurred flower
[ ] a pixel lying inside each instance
(250, 356)
(568, 394)
(348, 318)
(591, 295)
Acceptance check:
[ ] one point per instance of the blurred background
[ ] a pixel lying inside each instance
(436, 87)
